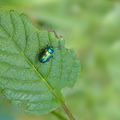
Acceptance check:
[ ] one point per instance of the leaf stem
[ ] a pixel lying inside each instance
(59, 116)
(69, 114)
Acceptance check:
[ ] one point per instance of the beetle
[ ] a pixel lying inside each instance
(46, 54)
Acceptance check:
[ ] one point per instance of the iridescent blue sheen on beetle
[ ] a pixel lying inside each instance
(46, 54)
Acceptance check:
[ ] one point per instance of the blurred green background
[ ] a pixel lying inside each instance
(92, 29)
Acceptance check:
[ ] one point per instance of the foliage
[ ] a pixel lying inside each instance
(23, 78)
(92, 28)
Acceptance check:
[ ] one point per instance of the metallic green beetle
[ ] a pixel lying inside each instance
(46, 54)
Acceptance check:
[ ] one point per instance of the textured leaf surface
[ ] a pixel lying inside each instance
(23, 78)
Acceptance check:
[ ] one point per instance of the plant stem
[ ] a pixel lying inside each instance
(69, 114)
(58, 116)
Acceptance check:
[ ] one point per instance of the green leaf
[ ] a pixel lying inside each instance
(23, 78)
